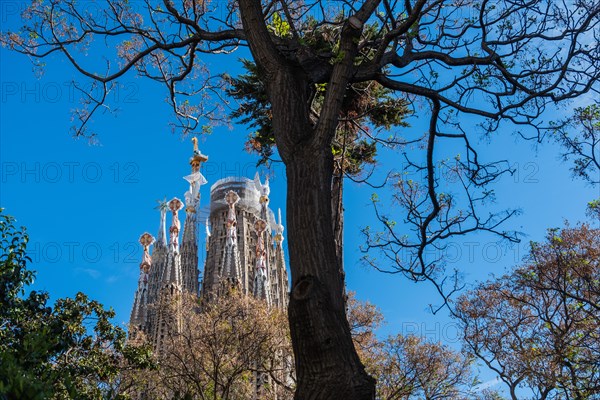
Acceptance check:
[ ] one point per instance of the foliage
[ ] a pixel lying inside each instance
(69, 350)
(580, 138)
(218, 350)
(593, 209)
(364, 319)
(409, 367)
(414, 368)
(366, 106)
(539, 326)
(254, 110)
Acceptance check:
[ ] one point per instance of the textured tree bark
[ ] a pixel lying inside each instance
(327, 365)
(337, 208)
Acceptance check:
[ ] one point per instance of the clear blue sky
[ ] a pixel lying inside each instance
(85, 206)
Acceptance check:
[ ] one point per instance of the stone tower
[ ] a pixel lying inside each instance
(243, 250)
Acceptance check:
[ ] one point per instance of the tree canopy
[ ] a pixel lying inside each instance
(580, 138)
(538, 326)
(68, 350)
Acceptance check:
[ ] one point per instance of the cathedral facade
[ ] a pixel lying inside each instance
(243, 246)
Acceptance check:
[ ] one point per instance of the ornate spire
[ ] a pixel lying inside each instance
(189, 247)
(192, 196)
(159, 260)
(146, 240)
(231, 198)
(197, 158)
(263, 190)
(279, 229)
(262, 288)
(139, 312)
(170, 283)
(162, 229)
(279, 279)
(230, 269)
(195, 179)
(174, 205)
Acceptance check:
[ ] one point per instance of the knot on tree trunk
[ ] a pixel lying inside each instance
(302, 288)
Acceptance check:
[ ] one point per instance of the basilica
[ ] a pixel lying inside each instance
(243, 250)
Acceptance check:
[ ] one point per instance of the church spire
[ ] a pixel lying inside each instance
(159, 260)
(197, 158)
(263, 190)
(169, 286)
(162, 229)
(262, 289)
(195, 179)
(230, 269)
(139, 312)
(174, 205)
(262, 286)
(279, 229)
(280, 277)
(189, 247)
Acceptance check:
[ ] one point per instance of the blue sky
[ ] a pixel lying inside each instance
(86, 205)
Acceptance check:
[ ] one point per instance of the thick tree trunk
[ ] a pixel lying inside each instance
(327, 365)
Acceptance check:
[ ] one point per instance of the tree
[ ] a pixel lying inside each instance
(539, 326)
(500, 61)
(222, 346)
(580, 138)
(219, 352)
(413, 368)
(364, 319)
(70, 350)
(410, 367)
